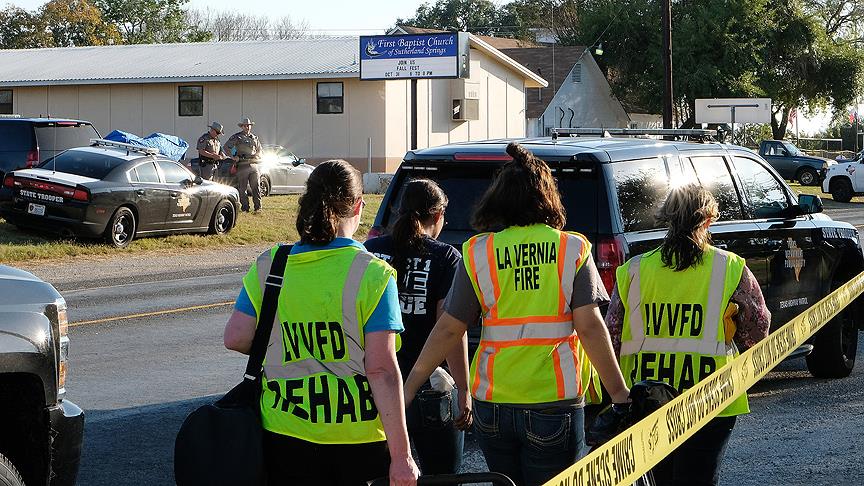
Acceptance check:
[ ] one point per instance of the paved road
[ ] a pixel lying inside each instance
(138, 377)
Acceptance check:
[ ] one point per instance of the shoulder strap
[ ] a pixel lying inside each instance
(268, 313)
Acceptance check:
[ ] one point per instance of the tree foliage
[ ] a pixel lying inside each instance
(68, 23)
(19, 29)
(151, 21)
(237, 26)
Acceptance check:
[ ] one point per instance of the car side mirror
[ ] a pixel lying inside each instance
(299, 162)
(809, 203)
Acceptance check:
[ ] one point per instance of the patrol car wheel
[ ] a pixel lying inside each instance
(264, 187)
(223, 218)
(121, 228)
(9, 475)
(834, 348)
(841, 190)
(807, 176)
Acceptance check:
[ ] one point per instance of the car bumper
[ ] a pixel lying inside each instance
(67, 421)
(53, 224)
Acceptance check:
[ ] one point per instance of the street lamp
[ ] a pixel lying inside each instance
(599, 49)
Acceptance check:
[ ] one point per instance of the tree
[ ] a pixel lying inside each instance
(477, 16)
(19, 29)
(69, 23)
(151, 21)
(236, 26)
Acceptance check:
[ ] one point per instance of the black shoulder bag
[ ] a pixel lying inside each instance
(220, 444)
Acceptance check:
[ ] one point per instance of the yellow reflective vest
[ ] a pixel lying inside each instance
(314, 381)
(673, 327)
(529, 351)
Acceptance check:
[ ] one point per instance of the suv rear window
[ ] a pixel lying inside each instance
(16, 137)
(465, 182)
(85, 164)
(64, 136)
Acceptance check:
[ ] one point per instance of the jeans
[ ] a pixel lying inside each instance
(430, 426)
(528, 445)
(697, 461)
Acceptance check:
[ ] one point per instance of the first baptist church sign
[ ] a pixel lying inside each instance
(414, 56)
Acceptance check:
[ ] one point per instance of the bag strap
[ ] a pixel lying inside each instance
(268, 313)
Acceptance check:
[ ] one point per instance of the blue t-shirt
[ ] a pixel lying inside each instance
(385, 317)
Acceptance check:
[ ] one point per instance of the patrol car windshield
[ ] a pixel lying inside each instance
(85, 164)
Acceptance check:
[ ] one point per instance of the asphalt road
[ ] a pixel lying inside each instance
(137, 377)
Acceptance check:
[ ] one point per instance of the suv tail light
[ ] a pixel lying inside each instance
(610, 256)
(374, 232)
(32, 158)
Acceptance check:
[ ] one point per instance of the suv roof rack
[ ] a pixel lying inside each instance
(14, 115)
(696, 133)
(128, 147)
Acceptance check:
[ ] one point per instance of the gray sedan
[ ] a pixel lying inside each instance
(281, 172)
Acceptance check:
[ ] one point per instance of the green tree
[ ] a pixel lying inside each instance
(19, 29)
(477, 16)
(70, 23)
(151, 21)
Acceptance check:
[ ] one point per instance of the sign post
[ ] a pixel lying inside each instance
(733, 110)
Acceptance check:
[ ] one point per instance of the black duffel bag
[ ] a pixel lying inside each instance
(221, 444)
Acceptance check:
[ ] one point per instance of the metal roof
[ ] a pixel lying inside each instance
(327, 57)
(208, 61)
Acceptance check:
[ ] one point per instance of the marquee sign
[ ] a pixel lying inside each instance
(442, 55)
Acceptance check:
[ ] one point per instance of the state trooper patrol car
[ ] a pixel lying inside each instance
(612, 186)
(116, 191)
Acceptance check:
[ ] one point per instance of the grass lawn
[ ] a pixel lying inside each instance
(274, 224)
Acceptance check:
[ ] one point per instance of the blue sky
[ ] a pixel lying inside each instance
(332, 16)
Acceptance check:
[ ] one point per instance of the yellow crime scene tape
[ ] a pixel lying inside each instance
(629, 455)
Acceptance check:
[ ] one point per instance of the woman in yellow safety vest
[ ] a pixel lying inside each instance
(537, 291)
(679, 333)
(331, 387)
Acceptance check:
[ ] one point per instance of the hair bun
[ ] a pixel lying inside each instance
(518, 152)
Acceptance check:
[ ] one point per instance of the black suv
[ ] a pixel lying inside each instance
(41, 432)
(26, 142)
(611, 188)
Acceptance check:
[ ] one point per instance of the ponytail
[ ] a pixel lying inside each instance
(331, 192)
(421, 200)
(685, 212)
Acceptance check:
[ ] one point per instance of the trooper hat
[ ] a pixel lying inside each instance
(245, 121)
(216, 126)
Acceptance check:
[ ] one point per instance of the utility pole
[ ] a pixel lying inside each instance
(667, 63)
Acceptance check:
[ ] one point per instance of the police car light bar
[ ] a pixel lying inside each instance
(608, 132)
(128, 147)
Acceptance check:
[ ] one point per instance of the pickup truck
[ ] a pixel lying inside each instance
(41, 433)
(792, 164)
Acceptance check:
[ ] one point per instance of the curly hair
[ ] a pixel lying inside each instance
(685, 212)
(523, 193)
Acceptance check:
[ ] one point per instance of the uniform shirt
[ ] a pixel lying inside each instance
(462, 302)
(244, 146)
(385, 317)
(423, 280)
(752, 321)
(208, 143)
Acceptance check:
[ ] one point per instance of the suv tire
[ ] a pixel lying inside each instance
(9, 475)
(807, 176)
(841, 190)
(834, 347)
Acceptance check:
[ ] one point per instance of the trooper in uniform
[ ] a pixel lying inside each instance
(210, 150)
(245, 149)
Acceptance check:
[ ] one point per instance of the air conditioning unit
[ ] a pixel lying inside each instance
(466, 109)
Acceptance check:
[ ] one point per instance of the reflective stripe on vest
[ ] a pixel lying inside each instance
(712, 341)
(505, 332)
(273, 367)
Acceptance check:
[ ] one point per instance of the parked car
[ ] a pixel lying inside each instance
(611, 188)
(281, 172)
(845, 179)
(793, 164)
(27, 142)
(116, 191)
(42, 431)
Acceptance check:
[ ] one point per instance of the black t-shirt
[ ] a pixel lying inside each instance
(423, 280)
